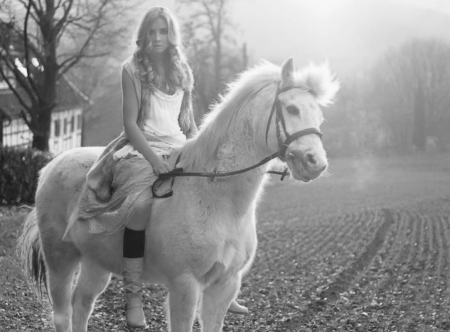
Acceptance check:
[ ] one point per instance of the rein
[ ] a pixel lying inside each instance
(282, 148)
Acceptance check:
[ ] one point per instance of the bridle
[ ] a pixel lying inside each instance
(279, 117)
(282, 148)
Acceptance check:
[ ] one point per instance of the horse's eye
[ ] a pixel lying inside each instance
(293, 110)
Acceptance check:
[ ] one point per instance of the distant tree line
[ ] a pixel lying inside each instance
(401, 104)
(215, 56)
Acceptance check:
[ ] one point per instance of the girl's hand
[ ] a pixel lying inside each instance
(161, 166)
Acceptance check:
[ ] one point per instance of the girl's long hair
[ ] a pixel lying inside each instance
(179, 74)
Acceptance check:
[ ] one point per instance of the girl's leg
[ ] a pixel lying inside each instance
(133, 253)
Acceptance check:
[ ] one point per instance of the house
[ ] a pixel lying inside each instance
(66, 124)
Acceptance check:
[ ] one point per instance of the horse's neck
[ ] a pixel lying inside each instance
(238, 152)
(229, 147)
(238, 192)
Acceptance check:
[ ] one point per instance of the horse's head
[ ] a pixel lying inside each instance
(242, 128)
(296, 118)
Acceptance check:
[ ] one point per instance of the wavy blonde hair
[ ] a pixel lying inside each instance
(179, 74)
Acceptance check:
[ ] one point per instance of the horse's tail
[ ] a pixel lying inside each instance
(29, 250)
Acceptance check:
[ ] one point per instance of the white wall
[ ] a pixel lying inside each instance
(16, 133)
(65, 136)
(68, 135)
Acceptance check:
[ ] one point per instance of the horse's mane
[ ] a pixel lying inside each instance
(265, 78)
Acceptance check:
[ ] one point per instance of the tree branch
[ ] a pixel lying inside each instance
(27, 57)
(59, 25)
(17, 74)
(58, 4)
(210, 21)
(64, 70)
(4, 114)
(24, 117)
(13, 89)
(38, 10)
(71, 61)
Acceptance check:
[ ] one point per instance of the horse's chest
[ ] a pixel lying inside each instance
(238, 246)
(204, 236)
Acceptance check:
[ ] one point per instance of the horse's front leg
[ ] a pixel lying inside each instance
(91, 283)
(215, 302)
(182, 304)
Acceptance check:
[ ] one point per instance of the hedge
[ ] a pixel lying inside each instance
(19, 174)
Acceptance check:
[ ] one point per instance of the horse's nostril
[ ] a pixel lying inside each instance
(310, 158)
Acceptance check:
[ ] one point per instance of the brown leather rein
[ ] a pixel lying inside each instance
(282, 148)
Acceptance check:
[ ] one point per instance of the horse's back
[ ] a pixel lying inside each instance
(68, 167)
(61, 181)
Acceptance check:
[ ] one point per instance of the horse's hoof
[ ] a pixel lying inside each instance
(237, 309)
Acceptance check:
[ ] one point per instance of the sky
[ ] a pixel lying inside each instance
(349, 34)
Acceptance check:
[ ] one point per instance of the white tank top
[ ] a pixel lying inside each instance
(161, 124)
(161, 121)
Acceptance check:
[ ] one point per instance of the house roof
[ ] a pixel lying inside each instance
(68, 96)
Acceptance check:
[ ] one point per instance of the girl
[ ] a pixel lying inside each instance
(157, 114)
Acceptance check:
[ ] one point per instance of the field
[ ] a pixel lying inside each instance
(364, 249)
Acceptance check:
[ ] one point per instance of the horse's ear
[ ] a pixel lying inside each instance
(287, 73)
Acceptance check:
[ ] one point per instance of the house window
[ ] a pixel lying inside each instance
(65, 126)
(57, 128)
(79, 121)
(72, 124)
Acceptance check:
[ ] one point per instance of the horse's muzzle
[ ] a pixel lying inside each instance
(305, 166)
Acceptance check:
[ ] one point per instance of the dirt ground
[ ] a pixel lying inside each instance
(364, 249)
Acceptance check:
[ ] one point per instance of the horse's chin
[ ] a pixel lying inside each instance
(299, 176)
(299, 173)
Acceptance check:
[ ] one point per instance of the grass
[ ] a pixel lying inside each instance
(366, 249)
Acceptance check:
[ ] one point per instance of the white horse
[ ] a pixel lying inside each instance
(200, 241)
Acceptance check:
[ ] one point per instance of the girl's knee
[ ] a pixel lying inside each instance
(139, 220)
(143, 200)
(141, 209)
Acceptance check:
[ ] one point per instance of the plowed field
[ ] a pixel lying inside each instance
(370, 250)
(365, 249)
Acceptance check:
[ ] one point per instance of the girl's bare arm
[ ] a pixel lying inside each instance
(137, 139)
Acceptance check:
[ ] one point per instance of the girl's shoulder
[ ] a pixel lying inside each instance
(131, 66)
(131, 60)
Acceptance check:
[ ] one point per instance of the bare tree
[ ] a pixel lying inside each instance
(213, 52)
(42, 40)
(401, 104)
(410, 92)
(352, 126)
